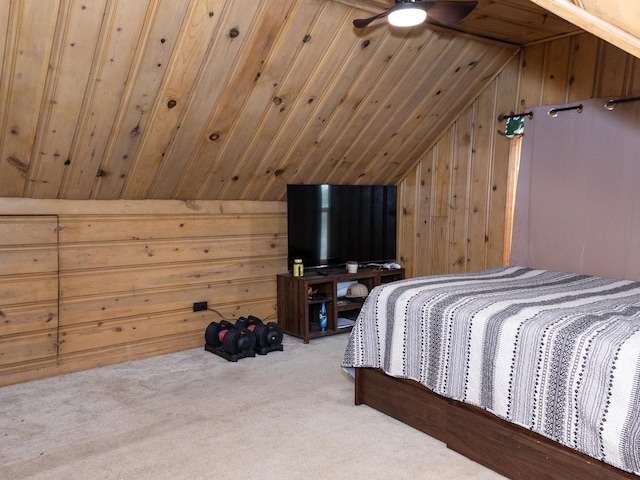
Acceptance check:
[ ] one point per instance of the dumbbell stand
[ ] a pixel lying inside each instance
(265, 350)
(229, 356)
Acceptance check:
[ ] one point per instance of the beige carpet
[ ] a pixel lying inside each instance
(193, 415)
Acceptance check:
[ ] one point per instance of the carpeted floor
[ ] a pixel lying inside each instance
(193, 415)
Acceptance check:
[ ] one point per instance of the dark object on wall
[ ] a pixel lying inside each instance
(229, 342)
(329, 225)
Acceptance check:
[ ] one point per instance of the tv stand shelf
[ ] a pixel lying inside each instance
(300, 299)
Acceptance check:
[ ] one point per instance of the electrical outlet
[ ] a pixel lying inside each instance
(200, 306)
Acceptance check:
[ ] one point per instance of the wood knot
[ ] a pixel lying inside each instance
(234, 32)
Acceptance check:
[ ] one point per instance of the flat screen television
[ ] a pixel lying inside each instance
(329, 225)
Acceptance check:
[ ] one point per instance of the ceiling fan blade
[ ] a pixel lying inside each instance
(447, 13)
(363, 22)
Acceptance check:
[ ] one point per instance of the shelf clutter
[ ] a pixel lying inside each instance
(300, 298)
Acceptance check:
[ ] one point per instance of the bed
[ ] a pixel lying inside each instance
(533, 373)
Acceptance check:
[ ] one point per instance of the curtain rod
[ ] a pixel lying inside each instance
(611, 104)
(515, 115)
(554, 111)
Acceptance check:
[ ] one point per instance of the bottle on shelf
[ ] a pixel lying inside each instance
(298, 268)
(323, 317)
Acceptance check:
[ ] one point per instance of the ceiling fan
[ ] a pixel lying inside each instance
(407, 13)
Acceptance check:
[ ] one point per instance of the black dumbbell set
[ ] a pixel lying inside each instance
(244, 339)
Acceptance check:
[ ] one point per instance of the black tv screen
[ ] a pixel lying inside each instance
(329, 225)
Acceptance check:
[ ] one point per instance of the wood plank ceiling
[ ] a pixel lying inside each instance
(220, 99)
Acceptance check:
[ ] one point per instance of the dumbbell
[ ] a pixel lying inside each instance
(267, 336)
(232, 339)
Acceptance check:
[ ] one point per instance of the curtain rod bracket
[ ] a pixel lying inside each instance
(515, 115)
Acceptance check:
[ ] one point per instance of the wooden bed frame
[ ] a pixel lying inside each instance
(508, 449)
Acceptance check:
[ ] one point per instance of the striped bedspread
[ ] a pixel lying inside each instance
(557, 353)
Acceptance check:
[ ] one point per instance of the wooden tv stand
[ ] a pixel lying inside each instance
(300, 298)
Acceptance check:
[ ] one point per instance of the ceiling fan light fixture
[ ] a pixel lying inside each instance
(407, 17)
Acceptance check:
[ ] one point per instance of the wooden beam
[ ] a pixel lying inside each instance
(588, 21)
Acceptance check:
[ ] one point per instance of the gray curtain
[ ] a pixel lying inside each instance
(578, 195)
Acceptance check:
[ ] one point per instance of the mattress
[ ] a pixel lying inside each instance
(555, 352)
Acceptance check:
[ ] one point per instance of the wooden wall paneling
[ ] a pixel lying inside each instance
(614, 66)
(461, 174)
(277, 93)
(74, 43)
(633, 85)
(556, 71)
(28, 350)
(28, 293)
(122, 25)
(423, 199)
(441, 203)
(583, 65)
(90, 228)
(531, 77)
(172, 98)
(19, 289)
(484, 135)
(156, 49)
(29, 317)
(409, 239)
(225, 294)
(417, 134)
(506, 95)
(261, 37)
(127, 283)
(223, 53)
(95, 282)
(114, 254)
(27, 50)
(90, 338)
(17, 260)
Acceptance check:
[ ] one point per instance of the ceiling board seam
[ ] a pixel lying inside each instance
(321, 162)
(134, 71)
(89, 94)
(269, 52)
(480, 89)
(399, 85)
(214, 113)
(421, 106)
(190, 99)
(265, 116)
(297, 107)
(317, 106)
(47, 101)
(167, 130)
(355, 113)
(189, 155)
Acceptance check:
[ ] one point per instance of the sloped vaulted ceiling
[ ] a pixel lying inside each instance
(220, 99)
